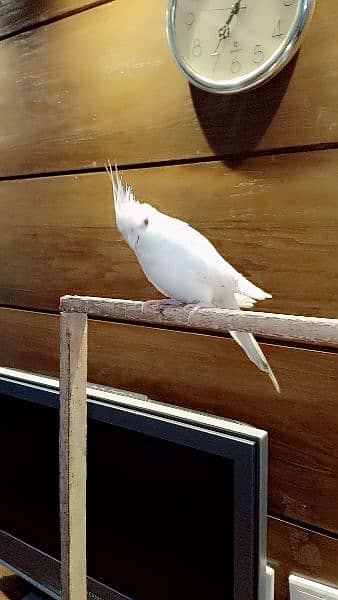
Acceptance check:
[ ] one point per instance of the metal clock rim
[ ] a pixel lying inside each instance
(258, 77)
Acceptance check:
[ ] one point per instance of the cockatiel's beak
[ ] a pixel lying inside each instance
(132, 239)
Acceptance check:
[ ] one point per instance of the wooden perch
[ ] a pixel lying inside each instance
(73, 403)
(292, 328)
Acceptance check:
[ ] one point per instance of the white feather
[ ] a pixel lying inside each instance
(254, 352)
(244, 301)
(183, 265)
(122, 196)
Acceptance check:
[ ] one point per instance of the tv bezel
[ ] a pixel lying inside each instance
(246, 446)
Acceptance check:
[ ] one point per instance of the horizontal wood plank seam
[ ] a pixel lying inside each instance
(310, 527)
(285, 327)
(50, 20)
(176, 162)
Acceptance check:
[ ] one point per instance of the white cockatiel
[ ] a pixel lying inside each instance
(184, 266)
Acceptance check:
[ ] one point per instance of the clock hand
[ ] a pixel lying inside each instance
(224, 32)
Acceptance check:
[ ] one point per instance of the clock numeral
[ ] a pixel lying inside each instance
(258, 54)
(288, 2)
(196, 47)
(235, 66)
(236, 48)
(277, 32)
(189, 19)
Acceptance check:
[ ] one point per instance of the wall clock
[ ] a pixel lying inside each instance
(228, 46)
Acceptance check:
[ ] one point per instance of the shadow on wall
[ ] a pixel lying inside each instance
(236, 124)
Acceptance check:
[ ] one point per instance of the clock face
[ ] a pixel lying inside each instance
(229, 45)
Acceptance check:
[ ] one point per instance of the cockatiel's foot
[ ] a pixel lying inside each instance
(193, 308)
(163, 303)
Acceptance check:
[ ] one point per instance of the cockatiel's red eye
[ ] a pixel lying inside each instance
(146, 221)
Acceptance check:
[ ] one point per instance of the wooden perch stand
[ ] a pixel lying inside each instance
(73, 402)
(282, 327)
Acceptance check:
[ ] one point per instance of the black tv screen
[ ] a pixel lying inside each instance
(166, 516)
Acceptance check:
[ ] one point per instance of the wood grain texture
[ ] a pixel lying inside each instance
(274, 218)
(16, 15)
(214, 375)
(73, 455)
(94, 85)
(289, 328)
(302, 552)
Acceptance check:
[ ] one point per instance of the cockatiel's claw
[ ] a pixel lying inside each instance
(161, 304)
(193, 308)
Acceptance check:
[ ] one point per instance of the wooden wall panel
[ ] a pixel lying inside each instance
(95, 85)
(300, 551)
(21, 14)
(275, 218)
(212, 374)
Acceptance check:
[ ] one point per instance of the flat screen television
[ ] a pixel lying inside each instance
(176, 499)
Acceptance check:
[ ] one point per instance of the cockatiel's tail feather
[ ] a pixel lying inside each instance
(251, 348)
(244, 301)
(247, 288)
(246, 340)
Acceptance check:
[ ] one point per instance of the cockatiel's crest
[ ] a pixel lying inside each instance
(132, 216)
(122, 196)
(183, 265)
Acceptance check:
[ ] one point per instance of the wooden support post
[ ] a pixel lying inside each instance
(72, 455)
